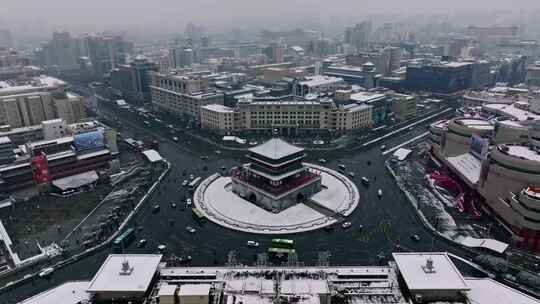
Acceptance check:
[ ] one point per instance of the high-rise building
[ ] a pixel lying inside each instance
(181, 94)
(6, 150)
(385, 60)
(61, 52)
(181, 57)
(533, 75)
(359, 35)
(106, 53)
(43, 98)
(443, 78)
(6, 40)
(275, 52)
(133, 79)
(205, 41)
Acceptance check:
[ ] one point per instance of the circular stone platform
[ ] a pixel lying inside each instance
(338, 198)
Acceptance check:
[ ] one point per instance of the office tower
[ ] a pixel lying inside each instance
(106, 53)
(275, 52)
(359, 35)
(62, 52)
(181, 57)
(205, 41)
(6, 40)
(133, 79)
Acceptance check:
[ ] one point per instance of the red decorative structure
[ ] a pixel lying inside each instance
(40, 168)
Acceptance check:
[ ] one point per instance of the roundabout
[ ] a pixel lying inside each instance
(337, 199)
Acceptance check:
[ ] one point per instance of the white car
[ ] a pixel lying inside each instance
(185, 183)
(346, 225)
(189, 202)
(45, 272)
(175, 138)
(190, 229)
(252, 244)
(161, 247)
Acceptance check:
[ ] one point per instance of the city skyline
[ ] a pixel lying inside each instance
(36, 17)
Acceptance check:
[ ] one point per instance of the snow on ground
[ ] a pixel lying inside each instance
(228, 209)
(219, 204)
(340, 195)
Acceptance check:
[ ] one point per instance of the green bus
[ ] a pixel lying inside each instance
(281, 247)
(198, 216)
(123, 240)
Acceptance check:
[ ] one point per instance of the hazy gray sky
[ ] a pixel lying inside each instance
(101, 14)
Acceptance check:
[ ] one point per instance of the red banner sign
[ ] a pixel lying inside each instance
(40, 168)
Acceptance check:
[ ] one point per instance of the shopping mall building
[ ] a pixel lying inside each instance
(495, 152)
(67, 150)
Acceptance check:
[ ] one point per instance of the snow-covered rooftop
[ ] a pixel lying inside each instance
(167, 290)
(194, 290)
(67, 293)
(276, 148)
(304, 286)
(218, 108)
(317, 80)
(490, 244)
(523, 152)
(467, 165)
(366, 96)
(5, 140)
(137, 278)
(41, 83)
(510, 110)
(402, 153)
(76, 181)
(533, 192)
(152, 155)
(354, 107)
(488, 291)
(444, 275)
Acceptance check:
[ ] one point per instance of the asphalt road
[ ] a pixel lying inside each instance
(387, 221)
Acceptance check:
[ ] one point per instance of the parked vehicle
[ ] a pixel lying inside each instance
(190, 229)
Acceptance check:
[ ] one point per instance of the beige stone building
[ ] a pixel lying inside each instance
(32, 108)
(286, 116)
(182, 94)
(217, 117)
(404, 106)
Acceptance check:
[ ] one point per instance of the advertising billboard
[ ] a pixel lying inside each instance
(88, 141)
(479, 146)
(40, 168)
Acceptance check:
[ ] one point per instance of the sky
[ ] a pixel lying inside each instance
(96, 15)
